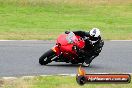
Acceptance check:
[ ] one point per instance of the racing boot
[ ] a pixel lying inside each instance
(87, 61)
(85, 64)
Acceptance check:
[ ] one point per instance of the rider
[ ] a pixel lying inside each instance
(93, 44)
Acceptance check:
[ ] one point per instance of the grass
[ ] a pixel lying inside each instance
(46, 19)
(54, 82)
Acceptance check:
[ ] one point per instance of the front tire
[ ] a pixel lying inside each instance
(46, 57)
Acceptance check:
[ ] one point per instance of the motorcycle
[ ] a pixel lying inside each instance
(66, 50)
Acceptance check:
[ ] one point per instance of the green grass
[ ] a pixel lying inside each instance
(54, 82)
(45, 19)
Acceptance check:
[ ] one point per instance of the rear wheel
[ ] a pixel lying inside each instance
(46, 57)
(74, 62)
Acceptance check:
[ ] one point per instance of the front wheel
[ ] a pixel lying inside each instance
(46, 57)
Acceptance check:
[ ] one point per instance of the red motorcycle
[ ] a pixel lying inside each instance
(66, 50)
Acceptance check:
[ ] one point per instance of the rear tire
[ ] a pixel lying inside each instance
(46, 57)
(73, 62)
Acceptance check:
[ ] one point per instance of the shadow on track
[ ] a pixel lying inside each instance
(64, 65)
(92, 66)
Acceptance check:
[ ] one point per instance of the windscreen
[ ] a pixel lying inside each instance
(71, 38)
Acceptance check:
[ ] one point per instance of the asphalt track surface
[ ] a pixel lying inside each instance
(20, 58)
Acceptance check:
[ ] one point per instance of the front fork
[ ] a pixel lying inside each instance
(56, 50)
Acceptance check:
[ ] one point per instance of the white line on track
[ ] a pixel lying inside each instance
(72, 75)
